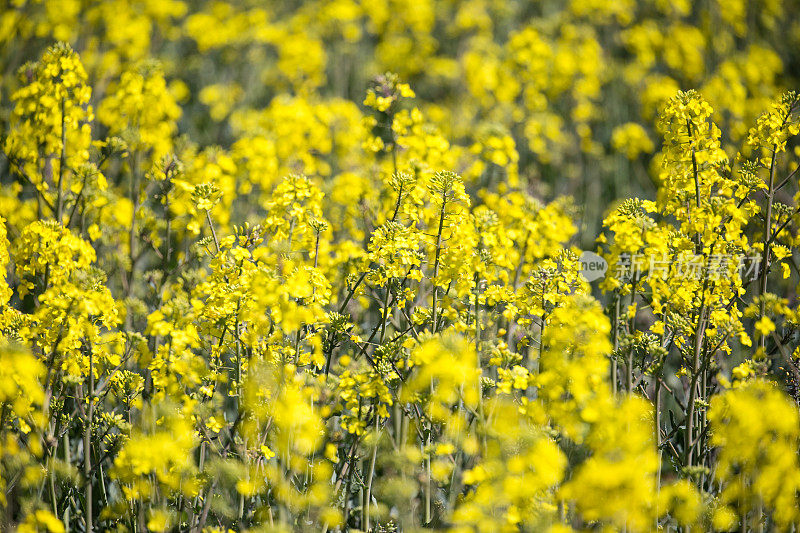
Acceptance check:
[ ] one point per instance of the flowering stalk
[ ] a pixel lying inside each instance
(62, 164)
(87, 444)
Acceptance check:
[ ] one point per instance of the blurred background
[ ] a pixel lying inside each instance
(558, 97)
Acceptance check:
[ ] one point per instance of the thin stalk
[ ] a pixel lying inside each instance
(52, 484)
(87, 442)
(167, 243)
(372, 469)
(347, 485)
(316, 251)
(239, 361)
(542, 321)
(134, 192)
(434, 319)
(342, 306)
(385, 310)
(476, 311)
(436, 264)
(631, 329)
(698, 340)
(213, 231)
(68, 463)
(615, 336)
(62, 163)
(240, 514)
(428, 474)
(399, 201)
(690, 404)
(765, 252)
(657, 428)
(657, 416)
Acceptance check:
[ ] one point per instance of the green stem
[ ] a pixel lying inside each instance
(87, 443)
(615, 336)
(765, 252)
(372, 469)
(436, 261)
(62, 163)
(213, 231)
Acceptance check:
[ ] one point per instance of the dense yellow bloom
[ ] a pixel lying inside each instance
(51, 135)
(141, 110)
(753, 473)
(395, 251)
(157, 461)
(48, 248)
(631, 139)
(269, 288)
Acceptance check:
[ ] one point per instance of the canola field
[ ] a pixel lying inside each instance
(399, 265)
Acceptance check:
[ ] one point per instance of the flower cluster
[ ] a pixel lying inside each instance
(256, 292)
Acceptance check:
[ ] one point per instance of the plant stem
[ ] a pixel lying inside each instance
(62, 163)
(615, 336)
(690, 404)
(385, 310)
(213, 231)
(372, 468)
(87, 443)
(68, 462)
(134, 192)
(765, 252)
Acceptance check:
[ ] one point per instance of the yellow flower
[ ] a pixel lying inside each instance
(213, 424)
(267, 452)
(764, 325)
